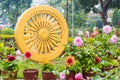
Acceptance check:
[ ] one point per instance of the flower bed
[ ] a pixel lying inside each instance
(94, 51)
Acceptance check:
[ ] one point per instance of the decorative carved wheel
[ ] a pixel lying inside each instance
(43, 31)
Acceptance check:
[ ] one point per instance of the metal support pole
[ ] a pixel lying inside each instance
(67, 11)
(72, 18)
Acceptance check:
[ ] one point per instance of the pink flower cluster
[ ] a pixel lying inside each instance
(78, 76)
(113, 39)
(18, 53)
(107, 29)
(78, 41)
(62, 76)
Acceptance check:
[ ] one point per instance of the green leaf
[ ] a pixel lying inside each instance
(96, 69)
(97, 78)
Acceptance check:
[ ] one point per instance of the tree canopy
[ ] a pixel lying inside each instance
(13, 8)
(105, 5)
(88, 4)
(79, 15)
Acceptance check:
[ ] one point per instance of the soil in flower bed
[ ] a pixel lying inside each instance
(107, 68)
(88, 74)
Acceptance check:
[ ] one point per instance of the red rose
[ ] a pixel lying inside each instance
(11, 58)
(118, 23)
(97, 59)
(27, 54)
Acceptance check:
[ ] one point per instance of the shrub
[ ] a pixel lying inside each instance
(7, 31)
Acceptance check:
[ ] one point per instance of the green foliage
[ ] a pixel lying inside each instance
(116, 17)
(11, 43)
(5, 51)
(98, 46)
(55, 3)
(76, 67)
(9, 51)
(87, 5)
(48, 67)
(6, 36)
(9, 65)
(113, 74)
(1, 47)
(80, 17)
(14, 8)
(7, 31)
(60, 68)
(105, 5)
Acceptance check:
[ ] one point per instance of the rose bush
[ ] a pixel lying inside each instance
(94, 53)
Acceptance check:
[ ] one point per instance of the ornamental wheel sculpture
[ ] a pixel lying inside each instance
(43, 31)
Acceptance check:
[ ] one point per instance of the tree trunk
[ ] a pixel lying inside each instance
(104, 9)
(104, 17)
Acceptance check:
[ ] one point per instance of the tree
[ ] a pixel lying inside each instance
(79, 15)
(105, 5)
(13, 8)
(116, 17)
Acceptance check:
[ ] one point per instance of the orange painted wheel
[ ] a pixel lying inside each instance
(43, 31)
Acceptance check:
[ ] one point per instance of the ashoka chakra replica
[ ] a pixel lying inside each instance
(43, 31)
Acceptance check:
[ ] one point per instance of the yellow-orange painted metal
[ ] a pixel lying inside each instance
(43, 31)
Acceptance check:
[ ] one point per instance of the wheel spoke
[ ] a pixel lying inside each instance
(55, 23)
(41, 48)
(48, 18)
(48, 46)
(55, 32)
(35, 42)
(55, 35)
(52, 20)
(30, 45)
(31, 28)
(54, 38)
(27, 36)
(51, 45)
(27, 41)
(55, 28)
(45, 48)
(35, 23)
(44, 17)
(38, 20)
(32, 25)
(52, 41)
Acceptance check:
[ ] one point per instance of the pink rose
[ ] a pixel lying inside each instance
(78, 76)
(62, 76)
(18, 53)
(78, 41)
(107, 29)
(113, 39)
